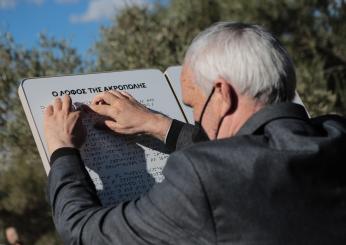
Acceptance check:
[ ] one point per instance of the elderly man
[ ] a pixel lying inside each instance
(254, 170)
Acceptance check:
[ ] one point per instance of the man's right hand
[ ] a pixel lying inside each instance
(124, 115)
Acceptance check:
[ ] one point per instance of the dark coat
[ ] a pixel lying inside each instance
(280, 180)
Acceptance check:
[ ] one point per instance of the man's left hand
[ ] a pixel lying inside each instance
(62, 126)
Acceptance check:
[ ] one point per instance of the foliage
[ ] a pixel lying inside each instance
(22, 178)
(312, 31)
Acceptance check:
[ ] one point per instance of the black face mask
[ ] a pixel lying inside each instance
(199, 134)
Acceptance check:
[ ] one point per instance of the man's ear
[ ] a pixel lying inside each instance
(226, 95)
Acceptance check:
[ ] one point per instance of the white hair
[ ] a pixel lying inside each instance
(251, 59)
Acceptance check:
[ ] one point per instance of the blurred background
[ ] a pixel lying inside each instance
(52, 37)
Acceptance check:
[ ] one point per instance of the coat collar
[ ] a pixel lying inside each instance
(270, 113)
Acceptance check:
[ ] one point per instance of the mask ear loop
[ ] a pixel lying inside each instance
(205, 105)
(198, 125)
(218, 126)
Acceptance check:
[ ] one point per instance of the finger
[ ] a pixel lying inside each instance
(73, 118)
(118, 94)
(111, 124)
(77, 115)
(57, 104)
(118, 128)
(104, 110)
(100, 123)
(48, 111)
(66, 103)
(127, 95)
(104, 97)
(115, 127)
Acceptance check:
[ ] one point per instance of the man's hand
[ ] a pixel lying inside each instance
(124, 115)
(63, 128)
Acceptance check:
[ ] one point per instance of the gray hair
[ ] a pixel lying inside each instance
(246, 55)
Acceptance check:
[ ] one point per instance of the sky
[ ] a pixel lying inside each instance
(77, 21)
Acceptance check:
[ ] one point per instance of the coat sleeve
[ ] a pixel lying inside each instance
(172, 212)
(179, 135)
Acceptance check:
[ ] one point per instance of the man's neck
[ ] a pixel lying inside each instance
(232, 123)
